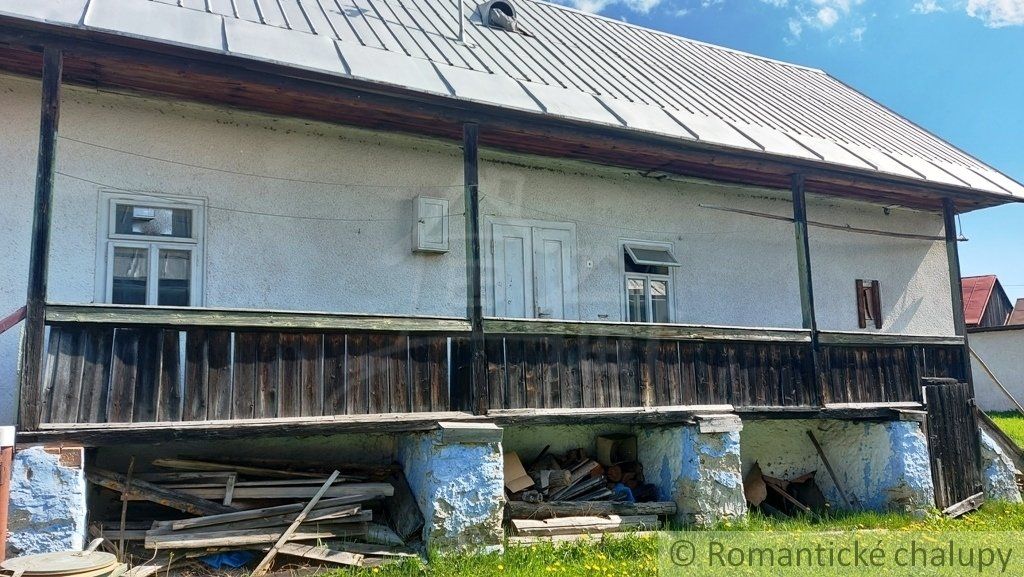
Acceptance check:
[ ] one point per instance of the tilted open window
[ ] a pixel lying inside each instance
(648, 282)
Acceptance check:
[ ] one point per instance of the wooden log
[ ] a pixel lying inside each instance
(247, 537)
(828, 467)
(35, 307)
(521, 510)
(264, 565)
(143, 490)
(570, 525)
(183, 524)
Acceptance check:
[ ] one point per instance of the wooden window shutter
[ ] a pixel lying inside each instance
(862, 313)
(876, 303)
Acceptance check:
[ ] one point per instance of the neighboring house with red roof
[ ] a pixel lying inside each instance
(985, 302)
(1017, 315)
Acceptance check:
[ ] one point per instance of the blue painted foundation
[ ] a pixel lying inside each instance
(699, 471)
(47, 507)
(459, 488)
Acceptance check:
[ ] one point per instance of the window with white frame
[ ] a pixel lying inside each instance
(153, 250)
(647, 272)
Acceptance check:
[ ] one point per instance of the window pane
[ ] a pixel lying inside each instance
(153, 221)
(130, 271)
(636, 305)
(175, 269)
(659, 301)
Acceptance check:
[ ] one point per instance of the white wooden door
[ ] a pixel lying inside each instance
(554, 282)
(513, 267)
(533, 275)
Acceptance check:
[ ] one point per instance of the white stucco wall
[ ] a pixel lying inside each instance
(736, 270)
(1003, 352)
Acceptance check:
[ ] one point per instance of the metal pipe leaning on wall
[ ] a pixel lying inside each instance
(6, 460)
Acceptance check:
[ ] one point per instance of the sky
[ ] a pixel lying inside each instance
(955, 67)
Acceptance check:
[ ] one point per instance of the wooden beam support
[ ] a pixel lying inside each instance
(803, 264)
(475, 398)
(953, 257)
(32, 350)
(955, 287)
(503, 326)
(175, 317)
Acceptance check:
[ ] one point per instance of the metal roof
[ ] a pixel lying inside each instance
(572, 64)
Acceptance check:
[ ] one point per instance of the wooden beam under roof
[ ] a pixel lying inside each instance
(122, 63)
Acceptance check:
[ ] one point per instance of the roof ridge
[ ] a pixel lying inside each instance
(676, 36)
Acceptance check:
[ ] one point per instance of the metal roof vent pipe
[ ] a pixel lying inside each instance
(500, 14)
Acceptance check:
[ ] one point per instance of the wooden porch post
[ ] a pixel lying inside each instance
(955, 291)
(803, 264)
(32, 350)
(476, 397)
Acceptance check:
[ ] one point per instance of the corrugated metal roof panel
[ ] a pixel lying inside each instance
(570, 64)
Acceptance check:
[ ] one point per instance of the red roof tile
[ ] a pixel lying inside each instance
(977, 291)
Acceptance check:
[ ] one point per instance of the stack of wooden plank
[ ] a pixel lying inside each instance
(362, 517)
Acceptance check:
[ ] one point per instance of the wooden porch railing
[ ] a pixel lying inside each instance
(115, 364)
(109, 364)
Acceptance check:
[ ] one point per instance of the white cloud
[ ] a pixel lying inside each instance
(993, 13)
(997, 13)
(840, 17)
(927, 7)
(826, 17)
(640, 6)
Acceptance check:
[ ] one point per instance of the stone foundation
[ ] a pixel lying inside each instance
(47, 507)
(880, 466)
(699, 471)
(456, 474)
(998, 472)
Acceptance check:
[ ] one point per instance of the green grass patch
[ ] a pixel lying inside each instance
(1012, 423)
(636, 556)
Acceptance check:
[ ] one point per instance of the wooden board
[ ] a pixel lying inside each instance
(523, 510)
(570, 525)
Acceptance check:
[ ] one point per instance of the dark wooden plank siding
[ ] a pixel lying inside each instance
(96, 374)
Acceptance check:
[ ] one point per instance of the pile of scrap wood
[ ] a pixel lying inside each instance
(232, 514)
(580, 493)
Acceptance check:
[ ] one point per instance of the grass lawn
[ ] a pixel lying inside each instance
(634, 556)
(1012, 423)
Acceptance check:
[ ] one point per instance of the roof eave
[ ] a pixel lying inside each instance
(77, 39)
